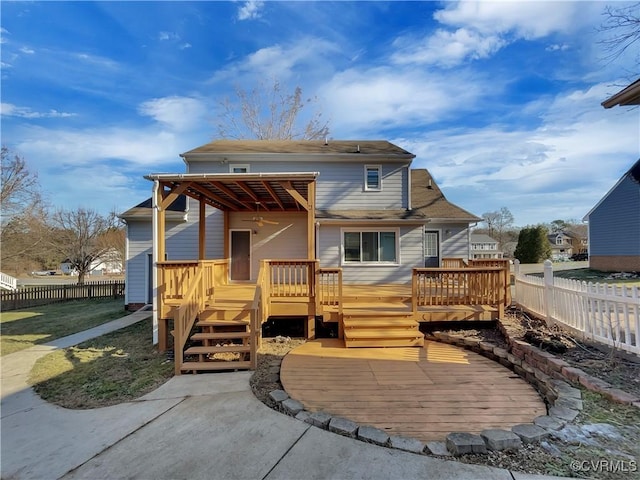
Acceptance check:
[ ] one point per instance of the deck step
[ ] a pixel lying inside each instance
(383, 342)
(379, 323)
(225, 314)
(214, 366)
(381, 333)
(219, 336)
(222, 323)
(374, 313)
(214, 349)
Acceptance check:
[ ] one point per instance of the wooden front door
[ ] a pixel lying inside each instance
(240, 254)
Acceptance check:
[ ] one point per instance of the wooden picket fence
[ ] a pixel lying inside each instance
(33, 296)
(606, 313)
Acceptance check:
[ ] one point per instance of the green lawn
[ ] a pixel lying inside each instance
(117, 367)
(20, 329)
(593, 276)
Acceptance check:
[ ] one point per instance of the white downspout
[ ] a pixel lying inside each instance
(154, 257)
(409, 187)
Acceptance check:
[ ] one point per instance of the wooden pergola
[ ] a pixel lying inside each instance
(259, 193)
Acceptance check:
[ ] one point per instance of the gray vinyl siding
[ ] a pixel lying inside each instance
(340, 186)
(139, 245)
(181, 244)
(455, 244)
(614, 226)
(411, 255)
(286, 240)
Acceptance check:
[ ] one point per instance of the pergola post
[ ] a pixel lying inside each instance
(202, 231)
(311, 221)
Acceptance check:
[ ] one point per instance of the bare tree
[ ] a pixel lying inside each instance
(621, 28)
(498, 223)
(267, 113)
(80, 237)
(23, 226)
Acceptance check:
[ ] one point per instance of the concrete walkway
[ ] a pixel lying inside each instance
(195, 427)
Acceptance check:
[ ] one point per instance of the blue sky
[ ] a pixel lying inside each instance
(499, 100)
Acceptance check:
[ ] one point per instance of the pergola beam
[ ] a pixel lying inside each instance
(172, 196)
(295, 194)
(273, 194)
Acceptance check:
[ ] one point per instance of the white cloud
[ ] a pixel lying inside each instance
(366, 101)
(446, 48)
(163, 36)
(476, 30)
(27, 50)
(10, 110)
(3, 33)
(279, 61)
(250, 10)
(527, 19)
(185, 46)
(559, 169)
(177, 113)
(557, 47)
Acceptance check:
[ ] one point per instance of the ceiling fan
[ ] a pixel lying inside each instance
(260, 220)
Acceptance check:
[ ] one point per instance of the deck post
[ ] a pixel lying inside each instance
(311, 221)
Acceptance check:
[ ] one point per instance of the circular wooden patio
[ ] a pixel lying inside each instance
(423, 393)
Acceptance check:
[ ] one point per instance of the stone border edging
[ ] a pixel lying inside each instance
(547, 373)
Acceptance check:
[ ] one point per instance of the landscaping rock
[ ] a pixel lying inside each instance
(620, 396)
(319, 419)
(274, 370)
(406, 444)
(303, 416)
(529, 433)
(460, 443)
(272, 378)
(551, 449)
(605, 430)
(595, 384)
(343, 426)
(564, 413)
(569, 402)
(497, 439)
(563, 389)
(373, 435)
(549, 423)
(292, 407)
(438, 448)
(278, 396)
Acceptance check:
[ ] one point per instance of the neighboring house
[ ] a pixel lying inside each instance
(357, 205)
(614, 226)
(579, 241)
(483, 246)
(561, 246)
(109, 263)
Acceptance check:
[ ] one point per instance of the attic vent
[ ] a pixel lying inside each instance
(358, 149)
(429, 184)
(326, 140)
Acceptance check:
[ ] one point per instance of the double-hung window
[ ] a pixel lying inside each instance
(372, 177)
(370, 246)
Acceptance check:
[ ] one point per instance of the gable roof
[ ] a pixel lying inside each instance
(427, 198)
(629, 95)
(143, 210)
(333, 148)
(481, 238)
(633, 173)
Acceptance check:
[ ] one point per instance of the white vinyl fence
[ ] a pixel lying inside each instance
(606, 313)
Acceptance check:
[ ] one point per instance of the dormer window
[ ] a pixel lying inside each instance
(372, 177)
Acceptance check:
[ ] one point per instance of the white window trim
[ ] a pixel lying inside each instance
(343, 262)
(239, 165)
(366, 186)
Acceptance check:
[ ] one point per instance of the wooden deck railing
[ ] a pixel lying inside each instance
(457, 286)
(291, 278)
(192, 303)
(329, 288)
(502, 263)
(453, 263)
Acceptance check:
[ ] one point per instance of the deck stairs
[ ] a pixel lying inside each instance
(220, 340)
(380, 319)
(370, 328)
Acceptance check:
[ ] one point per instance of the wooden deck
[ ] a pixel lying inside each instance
(423, 393)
